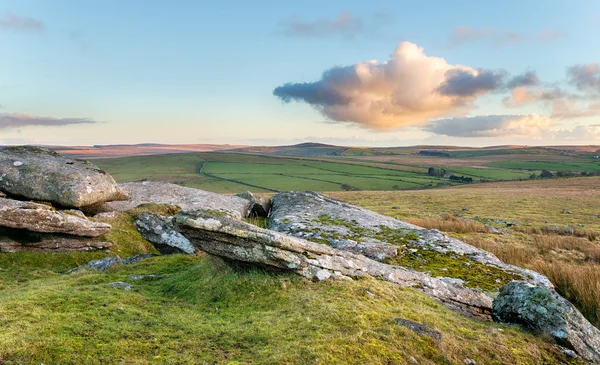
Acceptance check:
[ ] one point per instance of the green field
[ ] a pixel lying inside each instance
(550, 166)
(235, 172)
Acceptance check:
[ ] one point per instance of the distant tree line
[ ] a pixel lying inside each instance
(545, 174)
(466, 180)
(434, 171)
(434, 153)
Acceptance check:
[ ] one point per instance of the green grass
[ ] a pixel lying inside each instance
(493, 174)
(551, 166)
(202, 311)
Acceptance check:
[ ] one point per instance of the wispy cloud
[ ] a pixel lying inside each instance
(16, 120)
(344, 24)
(462, 35)
(492, 126)
(14, 22)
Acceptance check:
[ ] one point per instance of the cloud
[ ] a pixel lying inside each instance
(492, 126)
(409, 89)
(585, 78)
(579, 133)
(529, 78)
(462, 35)
(461, 82)
(16, 120)
(345, 25)
(10, 21)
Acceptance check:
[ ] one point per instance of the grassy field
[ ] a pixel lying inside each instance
(203, 311)
(235, 172)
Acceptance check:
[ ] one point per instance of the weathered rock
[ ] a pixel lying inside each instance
(42, 218)
(420, 328)
(320, 219)
(259, 206)
(563, 231)
(494, 230)
(40, 174)
(110, 262)
(100, 265)
(547, 313)
(160, 232)
(137, 258)
(16, 240)
(120, 285)
(164, 193)
(240, 241)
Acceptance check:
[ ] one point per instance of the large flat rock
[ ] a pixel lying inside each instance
(347, 227)
(40, 174)
(187, 198)
(43, 218)
(240, 241)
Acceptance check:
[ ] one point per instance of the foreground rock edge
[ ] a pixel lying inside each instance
(240, 241)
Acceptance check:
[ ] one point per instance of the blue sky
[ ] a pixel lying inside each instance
(102, 72)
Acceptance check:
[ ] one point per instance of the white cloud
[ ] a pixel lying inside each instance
(404, 91)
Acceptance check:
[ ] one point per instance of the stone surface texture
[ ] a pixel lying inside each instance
(160, 232)
(40, 174)
(165, 193)
(42, 218)
(545, 312)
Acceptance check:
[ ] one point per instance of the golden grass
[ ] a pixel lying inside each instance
(448, 223)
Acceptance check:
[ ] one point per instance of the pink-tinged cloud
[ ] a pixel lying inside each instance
(17, 120)
(409, 89)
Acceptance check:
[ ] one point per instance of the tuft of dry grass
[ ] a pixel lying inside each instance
(449, 223)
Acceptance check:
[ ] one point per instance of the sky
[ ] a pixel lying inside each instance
(376, 73)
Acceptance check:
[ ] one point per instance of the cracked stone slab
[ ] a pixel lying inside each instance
(240, 241)
(43, 218)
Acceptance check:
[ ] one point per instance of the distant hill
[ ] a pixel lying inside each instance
(313, 149)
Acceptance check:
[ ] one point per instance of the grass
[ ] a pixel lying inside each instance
(551, 166)
(204, 311)
(449, 223)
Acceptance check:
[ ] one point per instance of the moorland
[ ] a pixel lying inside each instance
(199, 309)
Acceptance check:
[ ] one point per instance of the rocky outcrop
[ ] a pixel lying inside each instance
(160, 232)
(17, 240)
(42, 218)
(236, 240)
(259, 206)
(164, 193)
(341, 225)
(547, 313)
(40, 174)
